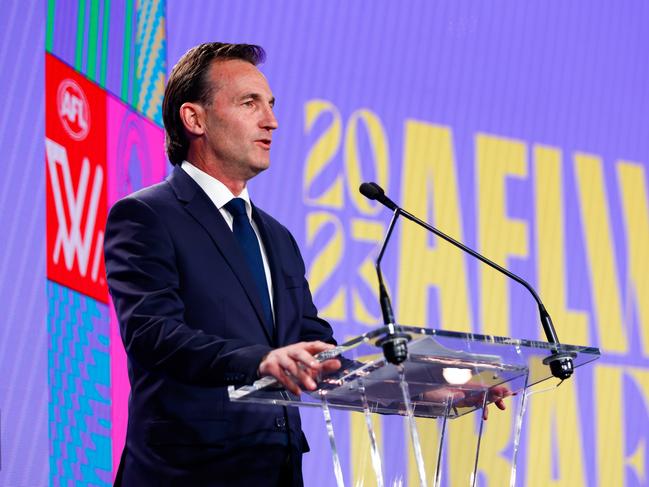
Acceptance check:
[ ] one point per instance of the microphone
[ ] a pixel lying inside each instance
(373, 191)
(394, 344)
(561, 364)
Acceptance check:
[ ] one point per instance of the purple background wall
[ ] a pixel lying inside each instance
(567, 76)
(23, 331)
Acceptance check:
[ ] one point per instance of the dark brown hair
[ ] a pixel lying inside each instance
(188, 82)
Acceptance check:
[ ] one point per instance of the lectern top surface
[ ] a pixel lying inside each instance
(448, 373)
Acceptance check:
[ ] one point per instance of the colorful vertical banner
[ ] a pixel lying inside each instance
(78, 355)
(98, 149)
(135, 159)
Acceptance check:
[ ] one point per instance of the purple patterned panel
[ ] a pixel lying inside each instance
(23, 333)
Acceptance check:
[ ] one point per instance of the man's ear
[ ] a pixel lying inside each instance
(193, 118)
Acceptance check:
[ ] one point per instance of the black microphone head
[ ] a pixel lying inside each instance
(375, 192)
(371, 191)
(377, 188)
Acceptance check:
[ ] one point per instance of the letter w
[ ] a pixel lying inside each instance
(70, 239)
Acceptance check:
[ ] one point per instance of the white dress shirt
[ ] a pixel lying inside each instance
(220, 196)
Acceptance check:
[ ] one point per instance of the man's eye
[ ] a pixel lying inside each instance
(249, 103)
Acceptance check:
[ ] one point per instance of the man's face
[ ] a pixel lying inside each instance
(239, 121)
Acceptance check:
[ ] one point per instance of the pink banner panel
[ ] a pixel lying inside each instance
(135, 159)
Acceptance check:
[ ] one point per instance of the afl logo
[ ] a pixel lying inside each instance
(74, 110)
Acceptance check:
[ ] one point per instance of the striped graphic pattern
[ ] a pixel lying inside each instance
(79, 377)
(151, 49)
(87, 22)
(119, 44)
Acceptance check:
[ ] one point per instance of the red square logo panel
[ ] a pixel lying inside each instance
(75, 155)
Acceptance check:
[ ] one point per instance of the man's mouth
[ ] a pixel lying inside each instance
(264, 143)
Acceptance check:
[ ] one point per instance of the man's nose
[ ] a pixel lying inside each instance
(269, 121)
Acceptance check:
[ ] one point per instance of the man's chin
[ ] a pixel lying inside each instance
(259, 167)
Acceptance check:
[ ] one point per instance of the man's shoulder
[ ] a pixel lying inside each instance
(156, 199)
(156, 192)
(158, 195)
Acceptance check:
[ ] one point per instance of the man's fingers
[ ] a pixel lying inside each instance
(317, 346)
(301, 365)
(273, 368)
(305, 358)
(305, 378)
(307, 367)
(485, 413)
(330, 365)
(288, 364)
(500, 392)
(287, 382)
(294, 366)
(300, 374)
(287, 378)
(304, 353)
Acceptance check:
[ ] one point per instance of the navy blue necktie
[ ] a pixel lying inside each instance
(249, 244)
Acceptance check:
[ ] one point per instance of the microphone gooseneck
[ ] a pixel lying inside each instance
(394, 344)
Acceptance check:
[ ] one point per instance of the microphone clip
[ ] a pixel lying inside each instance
(395, 347)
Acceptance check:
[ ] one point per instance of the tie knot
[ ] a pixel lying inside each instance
(236, 207)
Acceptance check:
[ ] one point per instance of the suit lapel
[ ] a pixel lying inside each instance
(201, 208)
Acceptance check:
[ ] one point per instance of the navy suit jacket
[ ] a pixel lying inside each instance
(192, 324)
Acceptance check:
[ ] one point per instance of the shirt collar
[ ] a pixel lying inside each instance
(215, 189)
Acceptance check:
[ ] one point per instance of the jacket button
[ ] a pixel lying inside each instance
(280, 422)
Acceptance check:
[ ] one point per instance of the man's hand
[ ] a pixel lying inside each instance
(497, 394)
(463, 397)
(295, 365)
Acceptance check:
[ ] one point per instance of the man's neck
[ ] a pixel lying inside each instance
(235, 185)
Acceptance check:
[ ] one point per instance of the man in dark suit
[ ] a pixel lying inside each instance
(210, 291)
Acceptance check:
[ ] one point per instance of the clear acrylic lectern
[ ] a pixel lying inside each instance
(446, 375)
